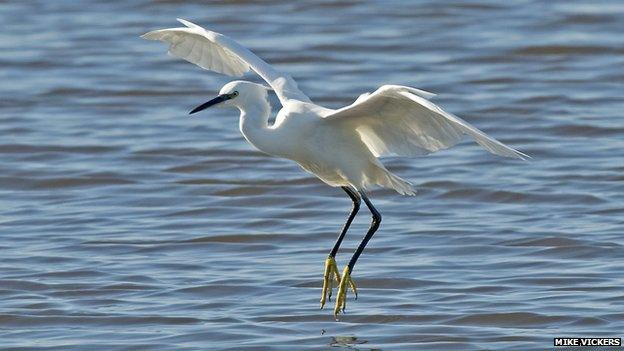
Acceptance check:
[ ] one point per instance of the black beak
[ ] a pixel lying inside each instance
(212, 102)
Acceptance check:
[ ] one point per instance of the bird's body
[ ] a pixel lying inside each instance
(329, 149)
(341, 147)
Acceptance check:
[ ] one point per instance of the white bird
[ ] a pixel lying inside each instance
(341, 147)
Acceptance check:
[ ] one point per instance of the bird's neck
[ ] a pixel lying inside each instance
(254, 124)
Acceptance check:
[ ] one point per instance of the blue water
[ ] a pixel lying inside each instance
(127, 225)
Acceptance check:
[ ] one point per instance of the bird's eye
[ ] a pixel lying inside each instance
(234, 94)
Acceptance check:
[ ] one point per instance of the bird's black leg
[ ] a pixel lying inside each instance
(331, 269)
(355, 197)
(371, 231)
(341, 300)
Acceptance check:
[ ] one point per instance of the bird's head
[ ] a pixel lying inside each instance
(236, 94)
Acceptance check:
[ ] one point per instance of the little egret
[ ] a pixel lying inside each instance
(341, 147)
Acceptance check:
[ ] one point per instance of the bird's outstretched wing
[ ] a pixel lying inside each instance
(216, 52)
(397, 120)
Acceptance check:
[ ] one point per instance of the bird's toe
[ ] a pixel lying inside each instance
(341, 297)
(331, 271)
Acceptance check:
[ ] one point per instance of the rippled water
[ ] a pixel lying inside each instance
(127, 225)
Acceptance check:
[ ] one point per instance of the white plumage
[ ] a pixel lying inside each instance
(218, 53)
(397, 120)
(393, 120)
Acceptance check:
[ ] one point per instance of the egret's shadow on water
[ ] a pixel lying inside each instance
(350, 343)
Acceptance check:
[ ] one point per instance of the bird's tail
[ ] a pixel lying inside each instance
(388, 180)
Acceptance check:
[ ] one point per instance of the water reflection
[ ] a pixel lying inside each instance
(349, 342)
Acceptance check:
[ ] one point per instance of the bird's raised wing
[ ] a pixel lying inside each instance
(397, 120)
(216, 52)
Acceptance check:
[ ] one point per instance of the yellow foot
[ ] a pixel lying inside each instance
(341, 299)
(331, 269)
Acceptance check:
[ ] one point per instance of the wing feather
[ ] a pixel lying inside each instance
(396, 120)
(218, 53)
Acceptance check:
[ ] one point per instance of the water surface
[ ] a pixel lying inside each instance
(127, 225)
